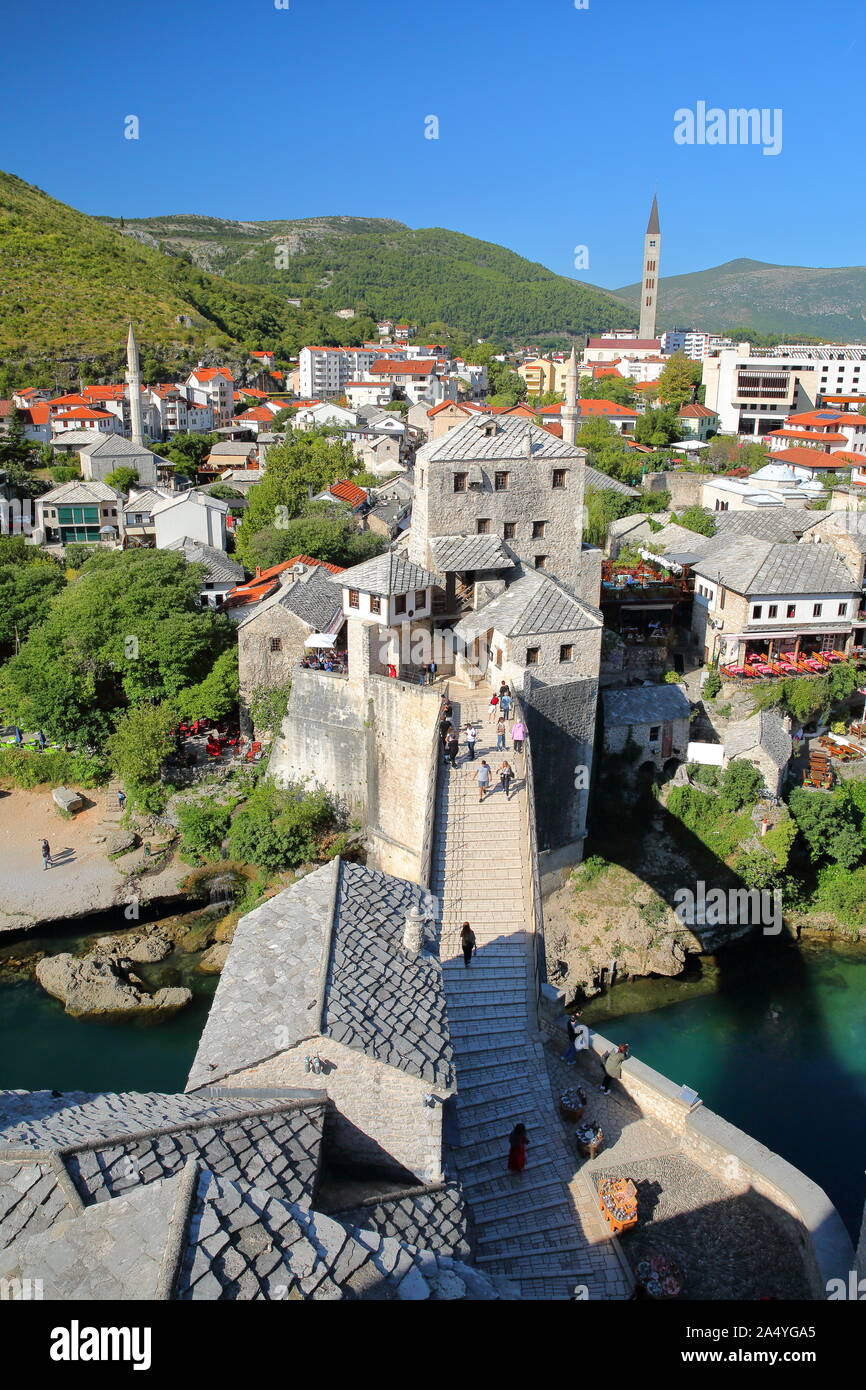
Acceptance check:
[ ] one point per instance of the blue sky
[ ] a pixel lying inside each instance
(555, 124)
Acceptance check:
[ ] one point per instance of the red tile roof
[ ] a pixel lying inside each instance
(623, 344)
(258, 414)
(807, 458)
(81, 412)
(424, 366)
(348, 492)
(73, 399)
(812, 435)
(266, 581)
(208, 373)
(696, 411)
(458, 405)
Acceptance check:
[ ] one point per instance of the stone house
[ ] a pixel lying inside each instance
(335, 986)
(655, 717)
(271, 635)
(755, 597)
(191, 514)
(79, 511)
(764, 740)
(221, 573)
(102, 457)
(138, 1196)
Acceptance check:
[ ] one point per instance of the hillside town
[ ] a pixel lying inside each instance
(445, 694)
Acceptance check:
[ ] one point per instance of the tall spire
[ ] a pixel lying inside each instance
(133, 377)
(571, 409)
(652, 245)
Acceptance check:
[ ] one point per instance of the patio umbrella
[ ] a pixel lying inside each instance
(319, 639)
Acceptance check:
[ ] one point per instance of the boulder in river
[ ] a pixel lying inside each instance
(143, 945)
(214, 958)
(102, 984)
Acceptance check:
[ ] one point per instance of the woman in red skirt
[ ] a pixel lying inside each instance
(517, 1142)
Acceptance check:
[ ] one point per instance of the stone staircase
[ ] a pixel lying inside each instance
(527, 1224)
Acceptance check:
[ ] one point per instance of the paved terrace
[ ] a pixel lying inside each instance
(539, 1227)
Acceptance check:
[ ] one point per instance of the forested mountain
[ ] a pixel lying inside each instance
(433, 277)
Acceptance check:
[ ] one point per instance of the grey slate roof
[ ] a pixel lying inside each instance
(118, 446)
(435, 1218)
(602, 482)
(469, 553)
(378, 999)
(782, 525)
(647, 704)
(144, 501)
(219, 569)
(231, 448)
(315, 601)
(750, 566)
(766, 731)
(470, 442)
(78, 492)
(272, 980)
(533, 604)
(386, 574)
(217, 1206)
(325, 958)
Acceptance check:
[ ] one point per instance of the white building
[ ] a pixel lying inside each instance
(191, 516)
(361, 393)
(325, 371)
(214, 387)
(693, 343)
(419, 380)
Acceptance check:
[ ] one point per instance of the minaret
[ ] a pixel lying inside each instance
(571, 409)
(652, 245)
(133, 377)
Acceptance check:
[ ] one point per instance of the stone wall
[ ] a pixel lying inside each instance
(686, 489)
(369, 740)
(378, 1119)
(258, 666)
(802, 1208)
(617, 736)
(561, 724)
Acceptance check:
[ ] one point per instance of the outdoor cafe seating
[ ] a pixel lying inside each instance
(758, 665)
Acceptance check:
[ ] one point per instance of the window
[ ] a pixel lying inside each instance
(566, 653)
(400, 603)
(655, 730)
(420, 598)
(791, 611)
(459, 482)
(757, 610)
(817, 610)
(500, 482)
(843, 610)
(532, 655)
(375, 603)
(560, 476)
(497, 656)
(276, 644)
(541, 562)
(509, 530)
(354, 598)
(483, 526)
(773, 610)
(538, 530)
(722, 593)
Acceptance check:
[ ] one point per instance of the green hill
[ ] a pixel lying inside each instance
(790, 300)
(69, 284)
(433, 277)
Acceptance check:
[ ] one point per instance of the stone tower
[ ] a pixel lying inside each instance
(571, 409)
(652, 245)
(133, 377)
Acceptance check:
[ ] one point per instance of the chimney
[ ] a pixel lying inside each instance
(413, 931)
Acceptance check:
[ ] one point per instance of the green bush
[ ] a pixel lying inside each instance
(203, 825)
(843, 894)
(712, 684)
(279, 829)
(673, 678)
(587, 872)
(54, 767)
(740, 785)
(706, 776)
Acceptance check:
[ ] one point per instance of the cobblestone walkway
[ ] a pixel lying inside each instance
(539, 1227)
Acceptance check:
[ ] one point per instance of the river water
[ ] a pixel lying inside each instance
(772, 1036)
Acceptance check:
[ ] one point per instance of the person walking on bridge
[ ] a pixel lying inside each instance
(468, 943)
(46, 855)
(482, 777)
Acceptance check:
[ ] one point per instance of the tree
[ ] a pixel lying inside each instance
(129, 630)
(215, 697)
(122, 479)
(741, 782)
(658, 427)
(188, 450)
(676, 385)
(297, 469)
(283, 418)
(226, 493)
(608, 388)
(27, 587)
(323, 531)
(279, 829)
(14, 448)
(694, 518)
(203, 826)
(138, 749)
(602, 507)
(506, 387)
(64, 473)
(826, 822)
